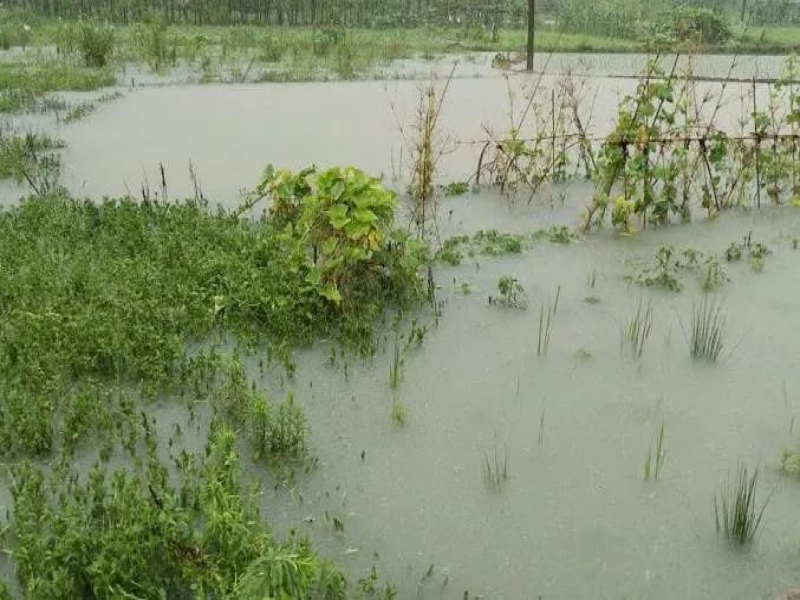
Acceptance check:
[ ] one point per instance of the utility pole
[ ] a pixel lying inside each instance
(531, 14)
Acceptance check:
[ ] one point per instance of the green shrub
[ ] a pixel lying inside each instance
(341, 224)
(692, 24)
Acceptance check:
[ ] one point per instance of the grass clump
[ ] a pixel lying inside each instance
(638, 330)
(736, 512)
(653, 463)
(545, 321)
(23, 84)
(495, 468)
(707, 332)
(31, 159)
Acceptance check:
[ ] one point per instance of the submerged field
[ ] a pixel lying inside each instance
(541, 385)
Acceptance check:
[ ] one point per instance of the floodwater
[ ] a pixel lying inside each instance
(575, 519)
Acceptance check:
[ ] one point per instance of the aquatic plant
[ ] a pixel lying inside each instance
(663, 273)
(395, 367)
(456, 188)
(736, 511)
(399, 413)
(545, 321)
(653, 463)
(755, 252)
(707, 330)
(638, 329)
(512, 294)
(96, 43)
(713, 275)
(495, 467)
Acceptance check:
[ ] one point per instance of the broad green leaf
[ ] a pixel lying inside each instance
(330, 292)
(364, 215)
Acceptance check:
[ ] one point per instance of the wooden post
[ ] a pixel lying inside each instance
(531, 15)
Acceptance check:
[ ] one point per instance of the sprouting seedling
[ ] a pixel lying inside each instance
(639, 327)
(495, 468)
(654, 464)
(735, 508)
(545, 321)
(707, 334)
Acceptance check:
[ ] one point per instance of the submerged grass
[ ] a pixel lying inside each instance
(495, 468)
(638, 329)
(23, 84)
(654, 463)
(736, 512)
(545, 321)
(707, 330)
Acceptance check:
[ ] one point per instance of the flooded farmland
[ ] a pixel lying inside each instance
(575, 513)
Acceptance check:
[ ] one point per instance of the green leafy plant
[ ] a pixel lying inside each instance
(512, 294)
(340, 224)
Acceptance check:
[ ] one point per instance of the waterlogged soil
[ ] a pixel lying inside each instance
(575, 518)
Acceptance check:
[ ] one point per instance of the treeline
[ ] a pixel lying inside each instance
(364, 13)
(622, 18)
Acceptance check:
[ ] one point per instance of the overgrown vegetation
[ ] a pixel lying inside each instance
(73, 535)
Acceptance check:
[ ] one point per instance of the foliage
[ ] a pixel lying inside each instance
(30, 158)
(491, 242)
(97, 43)
(735, 508)
(339, 226)
(204, 537)
(512, 294)
(118, 290)
(23, 84)
(693, 24)
(707, 330)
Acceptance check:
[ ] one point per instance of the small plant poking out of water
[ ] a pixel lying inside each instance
(399, 414)
(545, 321)
(512, 294)
(495, 468)
(653, 463)
(755, 252)
(713, 276)
(396, 366)
(735, 509)
(456, 188)
(707, 334)
(639, 327)
(277, 430)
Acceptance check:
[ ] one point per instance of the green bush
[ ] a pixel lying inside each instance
(96, 42)
(691, 24)
(341, 224)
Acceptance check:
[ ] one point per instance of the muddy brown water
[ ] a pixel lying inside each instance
(575, 518)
